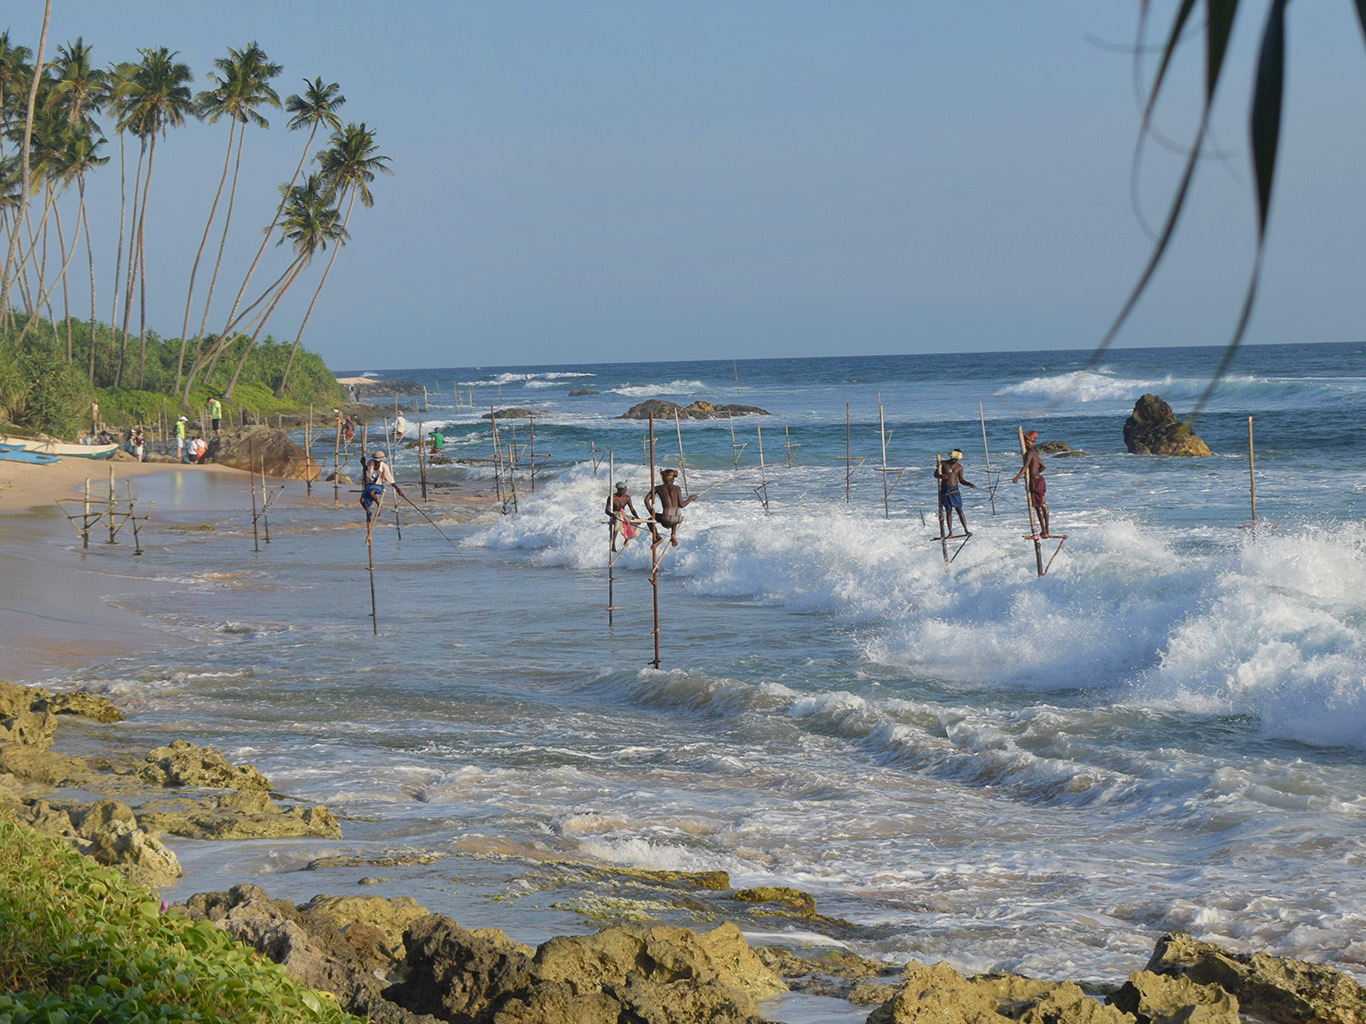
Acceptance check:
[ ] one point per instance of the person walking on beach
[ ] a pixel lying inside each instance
(139, 443)
(671, 503)
(180, 438)
(216, 417)
(1033, 471)
(375, 476)
(617, 503)
(950, 475)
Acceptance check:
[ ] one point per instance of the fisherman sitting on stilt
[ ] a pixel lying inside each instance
(375, 476)
(950, 475)
(670, 513)
(618, 503)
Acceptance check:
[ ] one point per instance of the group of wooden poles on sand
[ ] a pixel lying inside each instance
(665, 501)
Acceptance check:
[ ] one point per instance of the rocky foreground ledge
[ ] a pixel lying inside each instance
(394, 961)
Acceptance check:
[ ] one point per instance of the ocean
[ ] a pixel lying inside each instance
(965, 762)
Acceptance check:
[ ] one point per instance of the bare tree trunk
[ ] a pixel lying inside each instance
(25, 171)
(194, 269)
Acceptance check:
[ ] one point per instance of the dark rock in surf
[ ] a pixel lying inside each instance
(515, 413)
(578, 392)
(1057, 449)
(699, 410)
(1153, 429)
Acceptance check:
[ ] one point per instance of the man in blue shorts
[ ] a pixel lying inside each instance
(950, 475)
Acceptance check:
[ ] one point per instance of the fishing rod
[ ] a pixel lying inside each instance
(433, 525)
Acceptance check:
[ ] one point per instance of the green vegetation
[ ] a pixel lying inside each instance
(52, 144)
(80, 943)
(41, 391)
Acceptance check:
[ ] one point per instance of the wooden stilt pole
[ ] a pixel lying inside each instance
(422, 457)
(308, 452)
(111, 505)
(370, 553)
(336, 462)
(1252, 471)
(132, 514)
(393, 444)
(265, 502)
(85, 523)
(498, 458)
(939, 504)
(762, 489)
(251, 461)
(654, 561)
(848, 455)
(611, 538)
(532, 421)
(991, 481)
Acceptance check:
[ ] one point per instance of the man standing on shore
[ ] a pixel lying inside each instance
(180, 439)
(375, 476)
(950, 475)
(216, 416)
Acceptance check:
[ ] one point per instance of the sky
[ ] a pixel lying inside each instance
(607, 180)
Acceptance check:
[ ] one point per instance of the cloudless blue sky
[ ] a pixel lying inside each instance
(606, 179)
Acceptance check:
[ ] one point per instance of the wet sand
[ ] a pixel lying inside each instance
(62, 606)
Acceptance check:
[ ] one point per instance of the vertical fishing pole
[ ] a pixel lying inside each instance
(421, 459)
(111, 506)
(848, 455)
(939, 504)
(991, 482)
(1252, 472)
(654, 562)
(498, 459)
(265, 502)
(394, 444)
(308, 452)
(682, 462)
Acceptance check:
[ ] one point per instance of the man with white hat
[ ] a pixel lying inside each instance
(375, 476)
(950, 475)
(180, 438)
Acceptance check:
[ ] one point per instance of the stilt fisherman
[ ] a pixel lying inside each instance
(375, 476)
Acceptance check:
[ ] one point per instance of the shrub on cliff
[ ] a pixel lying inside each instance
(80, 943)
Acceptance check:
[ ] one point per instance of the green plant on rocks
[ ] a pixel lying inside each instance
(79, 943)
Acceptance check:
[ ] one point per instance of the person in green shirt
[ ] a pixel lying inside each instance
(216, 415)
(180, 438)
(438, 440)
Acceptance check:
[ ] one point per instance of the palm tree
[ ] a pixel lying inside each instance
(317, 106)
(311, 223)
(84, 157)
(24, 172)
(243, 85)
(116, 95)
(78, 87)
(157, 100)
(349, 164)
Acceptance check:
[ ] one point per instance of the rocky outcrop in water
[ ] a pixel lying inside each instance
(699, 410)
(1153, 429)
(624, 972)
(1273, 987)
(514, 413)
(261, 446)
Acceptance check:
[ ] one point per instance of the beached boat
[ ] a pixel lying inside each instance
(62, 449)
(9, 453)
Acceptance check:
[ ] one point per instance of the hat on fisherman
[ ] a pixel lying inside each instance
(956, 454)
(184, 420)
(668, 472)
(621, 487)
(377, 455)
(1032, 435)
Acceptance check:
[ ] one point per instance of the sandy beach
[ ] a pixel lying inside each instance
(58, 613)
